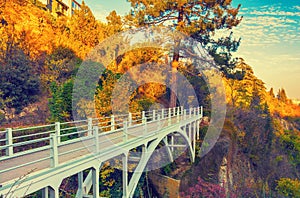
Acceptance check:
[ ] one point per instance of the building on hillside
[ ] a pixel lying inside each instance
(62, 7)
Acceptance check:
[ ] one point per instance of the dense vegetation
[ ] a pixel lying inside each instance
(40, 55)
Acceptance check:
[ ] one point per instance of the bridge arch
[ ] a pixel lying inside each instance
(148, 153)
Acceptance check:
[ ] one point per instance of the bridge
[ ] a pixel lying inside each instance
(39, 158)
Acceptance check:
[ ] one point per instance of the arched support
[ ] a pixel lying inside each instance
(168, 148)
(84, 186)
(146, 156)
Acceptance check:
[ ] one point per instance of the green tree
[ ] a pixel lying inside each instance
(18, 83)
(59, 66)
(60, 103)
(289, 187)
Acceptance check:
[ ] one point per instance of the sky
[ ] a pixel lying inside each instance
(270, 33)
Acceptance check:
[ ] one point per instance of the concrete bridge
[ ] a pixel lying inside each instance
(39, 158)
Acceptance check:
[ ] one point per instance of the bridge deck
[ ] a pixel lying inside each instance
(86, 146)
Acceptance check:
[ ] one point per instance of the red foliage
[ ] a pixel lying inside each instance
(204, 189)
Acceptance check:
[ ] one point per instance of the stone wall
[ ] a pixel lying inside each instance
(165, 186)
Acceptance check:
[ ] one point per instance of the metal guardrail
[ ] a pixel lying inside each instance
(24, 141)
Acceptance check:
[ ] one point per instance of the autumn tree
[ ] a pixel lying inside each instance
(271, 93)
(282, 95)
(84, 31)
(199, 19)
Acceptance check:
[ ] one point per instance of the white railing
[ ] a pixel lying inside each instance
(52, 137)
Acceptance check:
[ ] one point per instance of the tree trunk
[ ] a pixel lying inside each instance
(174, 64)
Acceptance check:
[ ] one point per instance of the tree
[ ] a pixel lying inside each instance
(288, 187)
(282, 96)
(18, 84)
(271, 93)
(59, 66)
(60, 103)
(199, 19)
(84, 31)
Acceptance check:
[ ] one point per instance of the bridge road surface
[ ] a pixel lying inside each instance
(112, 139)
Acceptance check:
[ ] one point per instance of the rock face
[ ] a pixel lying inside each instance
(209, 166)
(165, 186)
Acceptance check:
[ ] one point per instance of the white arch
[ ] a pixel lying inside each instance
(148, 153)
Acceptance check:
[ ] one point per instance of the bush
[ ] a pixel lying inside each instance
(288, 187)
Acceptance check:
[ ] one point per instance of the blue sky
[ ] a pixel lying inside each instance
(270, 33)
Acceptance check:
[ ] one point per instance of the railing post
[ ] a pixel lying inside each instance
(144, 116)
(125, 131)
(153, 115)
(129, 119)
(54, 150)
(184, 114)
(181, 110)
(9, 142)
(201, 111)
(174, 111)
(158, 122)
(57, 131)
(112, 122)
(178, 113)
(144, 121)
(162, 113)
(169, 120)
(96, 136)
(90, 126)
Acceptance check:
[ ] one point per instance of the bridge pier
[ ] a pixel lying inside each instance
(80, 184)
(95, 178)
(125, 175)
(49, 192)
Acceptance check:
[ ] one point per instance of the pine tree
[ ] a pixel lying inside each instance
(199, 19)
(282, 96)
(271, 93)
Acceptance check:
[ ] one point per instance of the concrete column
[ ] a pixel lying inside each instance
(95, 178)
(190, 131)
(194, 136)
(80, 184)
(54, 193)
(45, 192)
(125, 175)
(172, 142)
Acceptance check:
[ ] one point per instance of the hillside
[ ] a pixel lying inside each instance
(258, 152)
